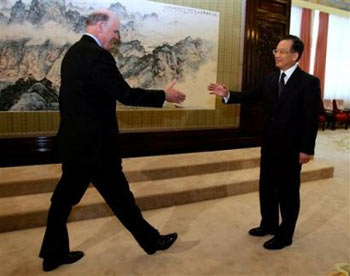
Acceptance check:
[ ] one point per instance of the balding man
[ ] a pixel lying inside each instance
(88, 140)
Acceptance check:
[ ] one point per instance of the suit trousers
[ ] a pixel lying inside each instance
(111, 183)
(279, 191)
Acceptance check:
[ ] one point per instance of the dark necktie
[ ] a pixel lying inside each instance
(281, 84)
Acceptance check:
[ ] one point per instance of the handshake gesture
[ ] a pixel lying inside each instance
(175, 96)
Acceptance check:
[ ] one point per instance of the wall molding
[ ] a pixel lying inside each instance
(322, 8)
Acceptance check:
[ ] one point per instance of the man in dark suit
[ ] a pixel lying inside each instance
(88, 140)
(291, 98)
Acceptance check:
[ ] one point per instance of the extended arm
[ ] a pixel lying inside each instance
(106, 74)
(234, 96)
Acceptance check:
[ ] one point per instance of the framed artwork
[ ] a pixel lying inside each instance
(196, 44)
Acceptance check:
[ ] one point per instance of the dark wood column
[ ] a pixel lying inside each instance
(266, 22)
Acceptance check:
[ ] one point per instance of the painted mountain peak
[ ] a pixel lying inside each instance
(39, 32)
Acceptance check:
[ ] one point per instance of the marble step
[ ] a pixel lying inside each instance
(27, 211)
(15, 181)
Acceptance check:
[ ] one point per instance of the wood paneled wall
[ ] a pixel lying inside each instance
(266, 22)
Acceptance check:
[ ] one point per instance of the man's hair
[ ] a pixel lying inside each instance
(297, 44)
(93, 18)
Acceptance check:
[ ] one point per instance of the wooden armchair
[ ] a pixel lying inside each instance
(327, 116)
(341, 113)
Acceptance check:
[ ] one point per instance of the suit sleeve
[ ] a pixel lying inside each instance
(249, 96)
(312, 97)
(106, 75)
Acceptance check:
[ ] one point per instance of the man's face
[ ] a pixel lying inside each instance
(110, 33)
(284, 57)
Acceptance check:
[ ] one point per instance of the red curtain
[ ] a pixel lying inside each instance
(321, 49)
(305, 36)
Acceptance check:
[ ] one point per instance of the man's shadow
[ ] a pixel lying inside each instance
(178, 221)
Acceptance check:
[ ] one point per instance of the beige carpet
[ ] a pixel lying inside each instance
(213, 237)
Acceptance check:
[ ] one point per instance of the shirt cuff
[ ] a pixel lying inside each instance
(226, 98)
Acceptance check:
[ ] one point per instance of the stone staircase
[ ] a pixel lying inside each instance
(157, 181)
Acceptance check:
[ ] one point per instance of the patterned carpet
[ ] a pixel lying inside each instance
(339, 138)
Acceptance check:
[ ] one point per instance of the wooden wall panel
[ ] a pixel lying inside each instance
(266, 21)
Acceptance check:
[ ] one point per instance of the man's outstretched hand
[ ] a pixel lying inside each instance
(172, 95)
(218, 89)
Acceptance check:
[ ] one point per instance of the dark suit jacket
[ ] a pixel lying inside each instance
(292, 119)
(90, 86)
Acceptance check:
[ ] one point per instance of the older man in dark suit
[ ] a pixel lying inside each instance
(88, 140)
(291, 98)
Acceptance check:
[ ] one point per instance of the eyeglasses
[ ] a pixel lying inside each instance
(281, 51)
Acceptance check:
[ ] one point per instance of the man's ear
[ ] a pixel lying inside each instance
(100, 25)
(295, 56)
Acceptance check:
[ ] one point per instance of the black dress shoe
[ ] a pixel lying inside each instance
(276, 243)
(260, 232)
(163, 242)
(52, 263)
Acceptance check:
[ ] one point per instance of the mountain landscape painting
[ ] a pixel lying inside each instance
(160, 42)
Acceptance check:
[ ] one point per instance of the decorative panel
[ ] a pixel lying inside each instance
(278, 7)
(269, 35)
(266, 22)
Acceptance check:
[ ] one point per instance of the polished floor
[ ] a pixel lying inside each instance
(213, 237)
